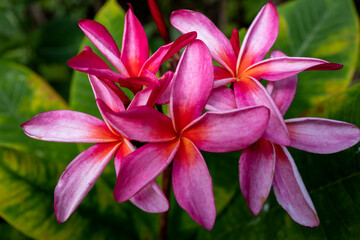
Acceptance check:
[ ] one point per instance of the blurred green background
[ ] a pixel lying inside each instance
(37, 37)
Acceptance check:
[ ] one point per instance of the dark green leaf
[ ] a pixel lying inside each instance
(326, 29)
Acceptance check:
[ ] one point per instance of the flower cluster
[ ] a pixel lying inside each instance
(240, 114)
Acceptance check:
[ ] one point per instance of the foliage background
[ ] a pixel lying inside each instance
(37, 37)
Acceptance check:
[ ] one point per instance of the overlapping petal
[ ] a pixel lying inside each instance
(193, 81)
(193, 185)
(250, 92)
(135, 47)
(79, 177)
(221, 99)
(107, 95)
(88, 62)
(151, 199)
(142, 166)
(219, 46)
(256, 171)
(319, 135)
(142, 123)
(290, 190)
(259, 38)
(102, 39)
(68, 126)
(228, 131)
(282, 91)
(165, 52)
(274, 69)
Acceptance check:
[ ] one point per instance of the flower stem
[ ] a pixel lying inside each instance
(166, 185)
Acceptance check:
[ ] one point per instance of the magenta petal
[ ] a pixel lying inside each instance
(165, 52)
(274, 69)
(235, 42)
(219, 46)
(102, 39)
(124, 149)
(164, 97)
(250, 92)
(259, 38)
(106, 94)
(282, 91)
(228, 131)
(151, 199)
(68, 126)
(142, 123)
(256, 170)
(320, 135)
(193, 81)
(142, 166)
(88, 62)
(192, 184)
(221, 99)
(135, 47)
(150, 95)
(290, 190)
(79, 177)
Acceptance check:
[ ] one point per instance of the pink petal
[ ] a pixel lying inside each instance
(256, 170)
(150, 95)
(124, 149)
(151, 199)
(192, 85)
(250, 92)
(165, 95)
(279, 68)
(142, 166)
(259, 38)
(165, 52)
(222, 77)
(221, 73)
(102, 39)
(235, 42)
(115, 88)
(88, 62)
(141, 124)
(68, 126)
(290, 190)
(221, 99)
(320, 135)
(79, 177)
(219, 46)
(192, 184)
(282, 91)
(228, 131)
(106, 94)
(135, 47)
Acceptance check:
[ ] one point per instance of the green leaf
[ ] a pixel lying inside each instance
(29, 170)
(112, 16)
(331, 179)
(326, 29)
(23, 94)
(26, 189)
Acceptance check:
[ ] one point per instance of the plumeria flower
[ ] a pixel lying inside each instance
(244, 66)
(178, 139)
(134, 66)
(81, 174)
(265, 164)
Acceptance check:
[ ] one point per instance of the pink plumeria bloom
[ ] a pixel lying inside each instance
(244, 66)
(179, 138)
(265, 164)
(134, 66)
(82, 173)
